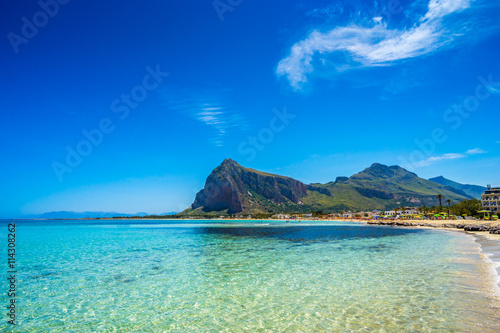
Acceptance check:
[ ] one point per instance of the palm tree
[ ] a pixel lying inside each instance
(449, 205)
(440, 197)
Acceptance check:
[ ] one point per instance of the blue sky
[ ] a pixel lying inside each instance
(127, 106)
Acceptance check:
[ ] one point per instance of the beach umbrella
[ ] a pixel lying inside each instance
(484, 212)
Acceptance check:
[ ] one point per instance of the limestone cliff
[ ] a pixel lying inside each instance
(237, 189)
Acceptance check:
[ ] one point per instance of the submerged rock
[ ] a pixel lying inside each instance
(495, 230)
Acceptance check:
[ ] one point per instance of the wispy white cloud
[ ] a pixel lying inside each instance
(222, 118)
(434, 159)
(475, 151)
(223, 121)
(493, 90)
(449, 156)
(371, 46)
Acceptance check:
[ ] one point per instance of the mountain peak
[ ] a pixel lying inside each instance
(378, 170)
(382, 171)
(474, 191)
(233, 188)
(229, 161)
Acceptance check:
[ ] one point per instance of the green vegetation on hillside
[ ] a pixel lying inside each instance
(377, 187)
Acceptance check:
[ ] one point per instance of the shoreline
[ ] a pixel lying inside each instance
(486, 234)
(493, 227)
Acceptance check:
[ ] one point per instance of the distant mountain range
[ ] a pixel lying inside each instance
(234, 189)
(82, 215)
(474, 191)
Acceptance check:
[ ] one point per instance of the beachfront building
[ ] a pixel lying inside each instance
(398, 211)
(281, 216)
(411, 210)
(491, 199)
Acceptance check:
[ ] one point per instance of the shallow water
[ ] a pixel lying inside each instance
(84, 276)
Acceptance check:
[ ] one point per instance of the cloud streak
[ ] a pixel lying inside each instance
(449, 156)
(373, 46)
(205, 108)
(219, 119)
(475, 151)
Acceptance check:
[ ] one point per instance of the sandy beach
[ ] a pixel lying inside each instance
(467, 225)
(487, 236)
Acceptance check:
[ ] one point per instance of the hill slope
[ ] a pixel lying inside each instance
(232, 189)
(474, 191)
(381, 187)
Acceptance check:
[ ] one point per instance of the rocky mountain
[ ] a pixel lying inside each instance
(474, 191)
(233, 189)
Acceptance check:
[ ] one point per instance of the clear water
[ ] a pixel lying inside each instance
(205, 276)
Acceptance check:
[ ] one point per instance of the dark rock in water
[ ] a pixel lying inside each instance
(471, 228)
(495, 230)
(476, 228)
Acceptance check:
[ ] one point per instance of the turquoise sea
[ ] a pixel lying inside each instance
(247, 276)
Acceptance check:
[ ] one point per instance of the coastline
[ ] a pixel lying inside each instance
(485, 234)
(490, 249)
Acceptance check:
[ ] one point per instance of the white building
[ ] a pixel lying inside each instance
(407, 211)
(490, 199)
